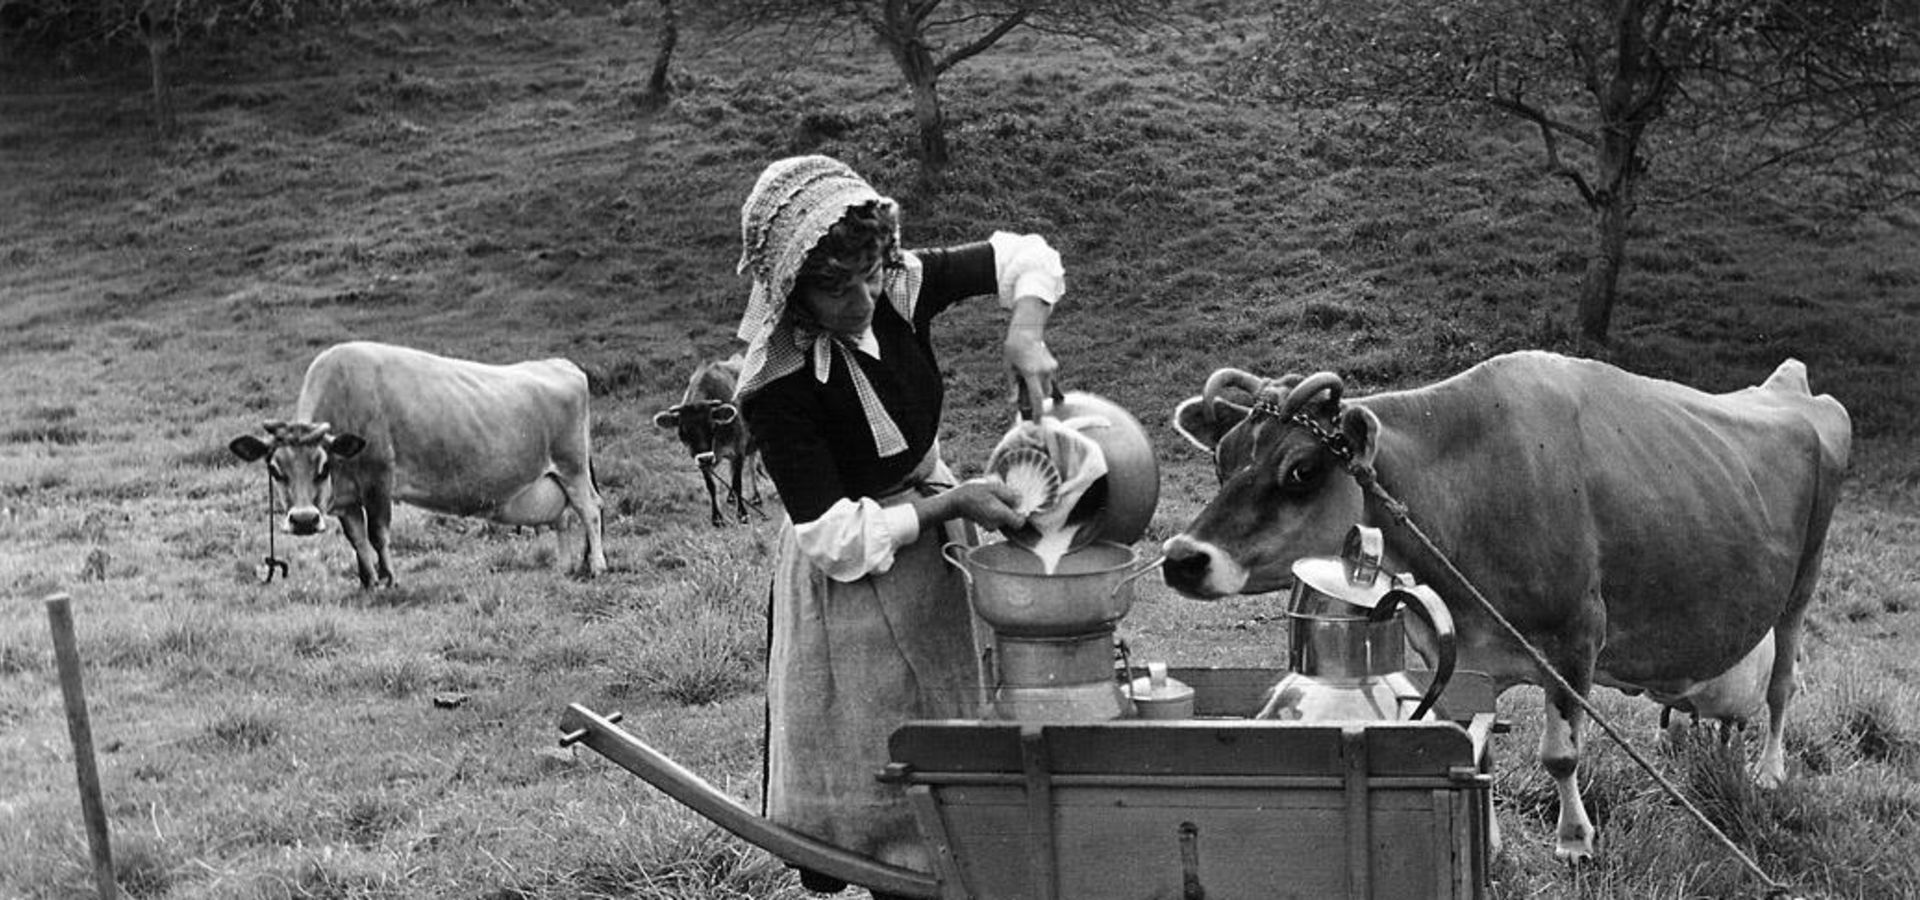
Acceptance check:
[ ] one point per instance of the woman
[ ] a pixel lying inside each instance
(870, 626)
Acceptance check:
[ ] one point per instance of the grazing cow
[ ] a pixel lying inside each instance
(377, 424)
(711, 428)
(1640, 533)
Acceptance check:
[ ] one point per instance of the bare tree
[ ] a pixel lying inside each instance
(926, 38)
(1826, 79)
(659, 86)
(162, 27)
(159, 34)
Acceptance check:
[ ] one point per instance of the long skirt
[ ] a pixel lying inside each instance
(851, 661)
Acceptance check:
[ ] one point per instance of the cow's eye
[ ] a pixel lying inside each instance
(273, 470)
(1299, 476)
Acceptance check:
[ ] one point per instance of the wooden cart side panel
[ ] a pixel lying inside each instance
(1123, 843)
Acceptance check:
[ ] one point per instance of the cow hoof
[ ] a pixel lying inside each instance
(1573, 852)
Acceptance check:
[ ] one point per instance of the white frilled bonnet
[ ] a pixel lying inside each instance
(793, 205)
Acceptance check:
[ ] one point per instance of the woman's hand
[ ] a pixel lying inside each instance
(1026, 350)
(984, 501)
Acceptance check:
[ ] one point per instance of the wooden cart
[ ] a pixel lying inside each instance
(1217, 807)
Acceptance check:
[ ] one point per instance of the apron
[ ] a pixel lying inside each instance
(847, 664)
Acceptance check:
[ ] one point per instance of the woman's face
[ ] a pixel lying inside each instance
(841, 298)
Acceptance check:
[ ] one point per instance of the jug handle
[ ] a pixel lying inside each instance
(1433, 610)
(1025, 407)
(1115, 590)
(947, 553)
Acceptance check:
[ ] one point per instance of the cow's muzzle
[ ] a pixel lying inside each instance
(1199, 569)
(306, 520)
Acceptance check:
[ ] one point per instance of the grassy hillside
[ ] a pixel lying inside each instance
(481, 182)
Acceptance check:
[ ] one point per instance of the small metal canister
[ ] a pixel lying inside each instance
(1158, 696)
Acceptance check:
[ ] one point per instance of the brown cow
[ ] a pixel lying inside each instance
(1641, 533)
(376, 424)
(710, 427)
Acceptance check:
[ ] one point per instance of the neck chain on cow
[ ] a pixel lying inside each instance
(1334, 441)
(1337, 444)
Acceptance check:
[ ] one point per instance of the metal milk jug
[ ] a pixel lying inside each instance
(1346, 640)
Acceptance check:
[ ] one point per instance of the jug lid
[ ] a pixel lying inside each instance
(1355, 576)
(1156, 685)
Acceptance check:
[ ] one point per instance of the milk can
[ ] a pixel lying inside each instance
(1346, 656)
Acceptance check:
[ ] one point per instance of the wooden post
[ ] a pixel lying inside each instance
(60, 616)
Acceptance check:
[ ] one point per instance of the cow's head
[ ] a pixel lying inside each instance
(300, 458)
(706, 427)
(1284, 489)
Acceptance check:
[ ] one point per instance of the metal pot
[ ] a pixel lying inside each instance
(1089, 590)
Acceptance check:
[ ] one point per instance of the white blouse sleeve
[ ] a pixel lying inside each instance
(1027, 267)
(853, 539)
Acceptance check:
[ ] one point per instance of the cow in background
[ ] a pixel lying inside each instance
(710, 426)
(1641, 533)
(378, 424)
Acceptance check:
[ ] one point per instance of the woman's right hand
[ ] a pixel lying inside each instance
(987, 502)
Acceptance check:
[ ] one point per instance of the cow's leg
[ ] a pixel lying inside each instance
(1771, 771)
(739, 496)
(379, 507)
(752, 465)
(584, 497)
(353, 524)
(1560, 756)
(1572, 654)
(713, 502)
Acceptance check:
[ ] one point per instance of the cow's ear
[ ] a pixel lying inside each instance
(725, 413)
(345, 446)
(1362, 430)
(667, 418)
(249, 448)
(1204, 424)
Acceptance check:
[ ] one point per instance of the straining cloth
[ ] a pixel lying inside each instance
(1078, 458)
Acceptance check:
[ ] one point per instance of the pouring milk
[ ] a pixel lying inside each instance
(1052, 463)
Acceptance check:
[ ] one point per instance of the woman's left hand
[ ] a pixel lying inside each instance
(1027, 355)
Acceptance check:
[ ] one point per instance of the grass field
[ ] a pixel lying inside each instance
(481, 181)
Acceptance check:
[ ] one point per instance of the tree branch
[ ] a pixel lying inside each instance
(1539, 117)
(981, 43)
(1550, 129)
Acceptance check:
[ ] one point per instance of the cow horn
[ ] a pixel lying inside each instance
(1308, 387)
(1225, 378)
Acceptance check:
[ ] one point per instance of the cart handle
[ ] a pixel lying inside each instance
(581, 725)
